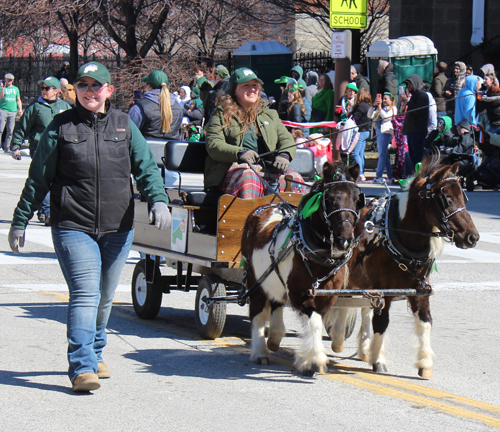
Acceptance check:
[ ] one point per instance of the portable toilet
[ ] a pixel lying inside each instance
(268, 59)
(409, 55)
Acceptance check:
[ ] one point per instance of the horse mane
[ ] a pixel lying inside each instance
(430, 164)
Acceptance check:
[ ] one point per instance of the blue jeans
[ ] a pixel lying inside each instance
(384, 158)
(359, 151)
(45, 206)
(92, 266)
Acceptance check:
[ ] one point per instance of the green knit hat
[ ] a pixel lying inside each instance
(352, 86)
(155, 79)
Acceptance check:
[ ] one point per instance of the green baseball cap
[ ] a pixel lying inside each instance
(50, 82)
(242, 75)
(155, 79)
(283, 80)
(94, 70)
(221, 71)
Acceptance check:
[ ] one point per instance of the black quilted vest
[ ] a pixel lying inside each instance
(152, 120)
(92, 191)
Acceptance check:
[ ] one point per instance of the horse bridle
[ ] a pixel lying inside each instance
(443, 202)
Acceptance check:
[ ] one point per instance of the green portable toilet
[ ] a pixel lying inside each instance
(409, 55)
(268, 59)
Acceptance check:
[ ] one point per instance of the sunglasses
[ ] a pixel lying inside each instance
(47, 88)
(95, 86)
(441, 123)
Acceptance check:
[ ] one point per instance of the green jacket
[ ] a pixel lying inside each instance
(34, 121)
(223, 145)
(323, 101)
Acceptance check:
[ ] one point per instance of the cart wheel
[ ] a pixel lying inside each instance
(350, 322)
(210, 320)
(146, 296)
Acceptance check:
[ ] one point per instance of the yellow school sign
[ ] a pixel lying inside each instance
(350, 14)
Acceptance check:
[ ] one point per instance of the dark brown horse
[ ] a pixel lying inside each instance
(289, 253)
(402, 236)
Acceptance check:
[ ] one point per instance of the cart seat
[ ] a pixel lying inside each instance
(189, 157)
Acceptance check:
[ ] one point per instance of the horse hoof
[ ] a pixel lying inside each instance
(263, 361)
(338, 349)
(379, 368)
(309, 373)
(321, 370)
(273, 346)
(364, 358)
(425, 373)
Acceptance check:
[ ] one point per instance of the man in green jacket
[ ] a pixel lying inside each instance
(32, 124)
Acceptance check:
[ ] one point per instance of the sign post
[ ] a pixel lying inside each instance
(345, 14)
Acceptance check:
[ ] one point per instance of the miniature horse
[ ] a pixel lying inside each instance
(402, 236)
(312, 248)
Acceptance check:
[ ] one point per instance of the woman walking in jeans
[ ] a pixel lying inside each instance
(85, 158)
(360, 116)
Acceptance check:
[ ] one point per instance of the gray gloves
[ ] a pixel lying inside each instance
(281, 163)
(248, 156)
(16, 239)
(159, 215)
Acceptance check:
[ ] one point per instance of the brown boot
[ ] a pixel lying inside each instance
(103, 371)
(86, 382)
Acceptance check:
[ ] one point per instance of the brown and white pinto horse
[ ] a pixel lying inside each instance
(406, 232)
(305, 251)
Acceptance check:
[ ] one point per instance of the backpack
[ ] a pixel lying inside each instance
(348, 136)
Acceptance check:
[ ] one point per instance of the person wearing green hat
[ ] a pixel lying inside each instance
(32, 124)
(348, 100)
(442, 136)
(241, 128)
(221, 86)
(85, 158)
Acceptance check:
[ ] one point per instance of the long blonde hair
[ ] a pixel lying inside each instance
(165, 108)
(297, 98)
(232, 108)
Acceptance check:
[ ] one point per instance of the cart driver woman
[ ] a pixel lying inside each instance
(242, 128)
(85, 158)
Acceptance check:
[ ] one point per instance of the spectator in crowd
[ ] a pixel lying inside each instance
(465, 105)
(296, 108)
(10, 104)
(210, 74)
(92, 210)
(388, 81)
(437, 87)
(469, 70)
(453, 85)
(32, 124)
(359, 80)
(490, 102)
(312, 84)
(416, 120)
(348, 100)
(184, 96)
(382, 113)
(296, 74)
(64, 71)
(157, 114)
(307, 104)
(441, 137)
(221, 86)
(360, 115)
(198, 72)
(283, 102)
(205, 87)
(487, 69)
(240, 129)
(401, 141)
(323, 108)
(432, 119)
(67, 93)
(195, 112)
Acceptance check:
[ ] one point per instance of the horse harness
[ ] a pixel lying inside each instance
(301, 237)
(411, 261)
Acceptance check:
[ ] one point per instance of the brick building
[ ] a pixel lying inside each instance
(449, 24)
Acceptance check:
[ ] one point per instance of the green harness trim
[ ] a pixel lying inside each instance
(312, 204)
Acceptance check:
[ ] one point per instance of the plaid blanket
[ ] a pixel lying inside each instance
(243, 182)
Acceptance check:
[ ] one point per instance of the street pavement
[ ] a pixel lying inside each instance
(165, 377)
